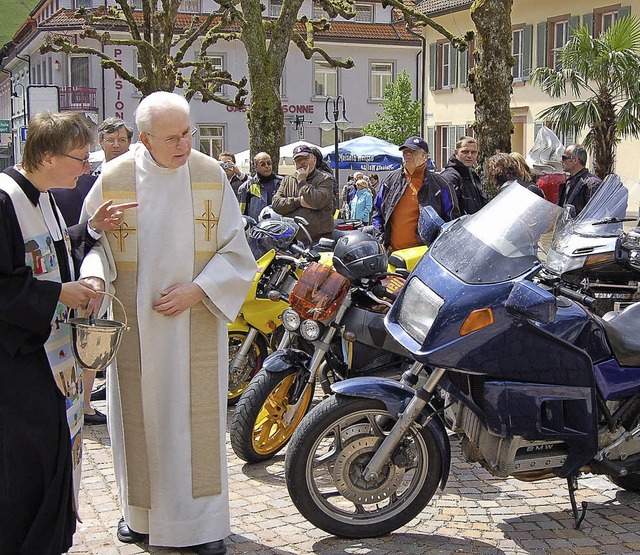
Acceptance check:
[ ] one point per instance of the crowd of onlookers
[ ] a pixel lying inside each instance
(392, 204)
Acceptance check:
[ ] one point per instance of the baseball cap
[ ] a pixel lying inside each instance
(416, 143)
(302, 150)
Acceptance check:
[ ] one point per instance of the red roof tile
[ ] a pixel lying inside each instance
(340, 31)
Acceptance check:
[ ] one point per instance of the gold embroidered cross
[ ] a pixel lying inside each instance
(122, 233)
(208, 219)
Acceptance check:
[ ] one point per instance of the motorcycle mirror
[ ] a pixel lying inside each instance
(300, 220)
(429, 224)
(532, 302)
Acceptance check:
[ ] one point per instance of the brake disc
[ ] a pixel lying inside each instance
(348, 473)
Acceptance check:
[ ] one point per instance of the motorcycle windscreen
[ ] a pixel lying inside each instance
(500, 241)
(601, 220)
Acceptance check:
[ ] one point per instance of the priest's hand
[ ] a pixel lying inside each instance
(109, 216)
(179, 297)
(76, 294)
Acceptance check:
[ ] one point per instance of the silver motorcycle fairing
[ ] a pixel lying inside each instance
(395, 397)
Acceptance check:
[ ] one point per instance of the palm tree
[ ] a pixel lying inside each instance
(603, 73)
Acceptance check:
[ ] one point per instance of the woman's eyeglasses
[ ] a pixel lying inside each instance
(83, 160)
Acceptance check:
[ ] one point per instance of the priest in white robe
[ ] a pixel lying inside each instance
(181, 266)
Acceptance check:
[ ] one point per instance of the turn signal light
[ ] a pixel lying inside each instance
(478, 319)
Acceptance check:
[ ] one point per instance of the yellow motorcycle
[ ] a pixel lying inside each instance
(258, 328)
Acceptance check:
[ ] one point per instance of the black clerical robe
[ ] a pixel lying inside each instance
(36, 491)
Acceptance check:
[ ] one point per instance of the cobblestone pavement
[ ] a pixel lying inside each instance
(476, 513)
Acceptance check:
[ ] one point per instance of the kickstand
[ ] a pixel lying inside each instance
(572, 485)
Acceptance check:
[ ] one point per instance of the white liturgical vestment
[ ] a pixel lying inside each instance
(180, 496)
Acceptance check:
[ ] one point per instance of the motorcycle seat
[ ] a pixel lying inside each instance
(622, 331)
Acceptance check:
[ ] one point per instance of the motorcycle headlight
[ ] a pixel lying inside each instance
(420, 306)
(310, 330)
(290, 319)
(559, 263)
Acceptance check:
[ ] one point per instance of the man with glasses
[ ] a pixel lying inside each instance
(404, 191)
(581, 185)
(114, 137)
(257, 193)
(309, 193)
(181, 266)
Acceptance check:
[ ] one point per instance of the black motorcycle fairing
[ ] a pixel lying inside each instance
(369, 330)
(285, 359)
(395, 397)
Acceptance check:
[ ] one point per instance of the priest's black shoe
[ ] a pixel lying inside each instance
(210, 548)
(127, 535)
(95, 418)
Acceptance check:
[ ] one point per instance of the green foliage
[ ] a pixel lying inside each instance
(14, 13)
(401, 114)
(603, 74)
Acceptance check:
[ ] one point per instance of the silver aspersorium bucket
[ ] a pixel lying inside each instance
(95, 342)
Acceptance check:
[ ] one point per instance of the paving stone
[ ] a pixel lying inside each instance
(476, 514)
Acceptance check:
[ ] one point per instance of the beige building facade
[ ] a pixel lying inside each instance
(540, 28)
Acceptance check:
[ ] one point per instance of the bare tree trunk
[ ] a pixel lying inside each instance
(491, 78)
(605, 138)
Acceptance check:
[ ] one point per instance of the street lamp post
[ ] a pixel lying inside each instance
(340, 123)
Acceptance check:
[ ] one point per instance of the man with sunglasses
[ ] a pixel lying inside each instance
(581, 184)
(257, 193)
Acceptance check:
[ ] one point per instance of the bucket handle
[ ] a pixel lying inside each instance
(124, 312)
(92, 319)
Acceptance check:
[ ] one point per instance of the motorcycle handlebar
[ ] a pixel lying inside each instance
(306, 253)
(574, 295)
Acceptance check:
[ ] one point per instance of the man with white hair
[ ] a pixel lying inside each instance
(181, 266)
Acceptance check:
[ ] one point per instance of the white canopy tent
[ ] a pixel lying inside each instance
(285, 166)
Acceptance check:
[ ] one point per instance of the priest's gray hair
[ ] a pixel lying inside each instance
(156, 104)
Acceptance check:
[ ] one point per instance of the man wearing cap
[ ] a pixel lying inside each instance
(307, 193)
(404, 191)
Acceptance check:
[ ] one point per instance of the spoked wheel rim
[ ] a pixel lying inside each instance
(336, 464)
(277, 419)
(240, 381)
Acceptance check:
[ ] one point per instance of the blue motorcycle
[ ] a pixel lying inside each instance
(535, 386)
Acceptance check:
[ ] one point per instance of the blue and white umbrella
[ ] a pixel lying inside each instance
(367, 153)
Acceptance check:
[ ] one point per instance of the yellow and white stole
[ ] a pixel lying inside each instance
(39, 229)
(119, 184)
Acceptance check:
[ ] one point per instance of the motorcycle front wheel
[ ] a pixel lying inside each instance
(325, 463)
(264, 419)
(239, 380)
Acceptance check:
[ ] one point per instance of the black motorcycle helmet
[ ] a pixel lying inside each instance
(358, 255)
(271, 234)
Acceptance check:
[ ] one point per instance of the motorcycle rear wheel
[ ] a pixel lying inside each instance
(326, 459)
(240, 381)
(261, 424)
